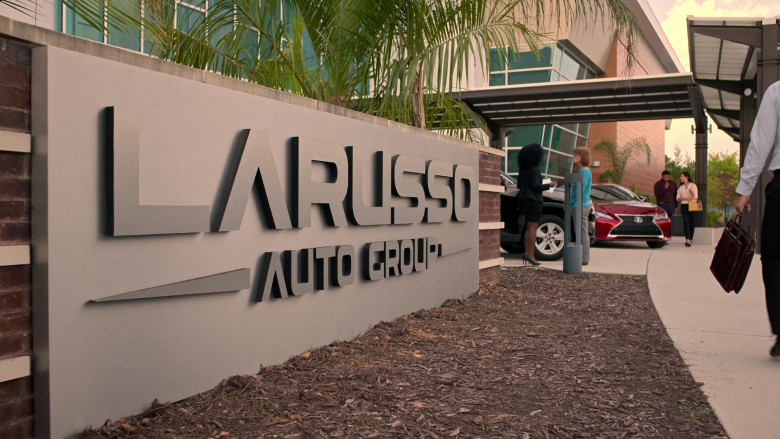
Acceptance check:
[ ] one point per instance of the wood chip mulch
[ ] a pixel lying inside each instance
(539, 355)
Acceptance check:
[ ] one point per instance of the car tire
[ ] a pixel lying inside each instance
(549, 238)
(656, 244)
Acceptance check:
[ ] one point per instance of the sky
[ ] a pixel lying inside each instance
(672, 14)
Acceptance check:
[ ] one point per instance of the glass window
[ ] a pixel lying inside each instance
(582, 141)
(545, 162)
(557, 58)
(547, 135)
(188, 19)
(77, 25)
(216, 35)
(127, 38)
(497, 79)
(289, 13)
(495, 61)
(310, 59)
(527, 77)
(562, 140)
(558, 164)
(570, 68)
(164, 13)
(581, 72)
(528, 60)
(511, 161)
(570, 126)
(523, 135)
(58, 15)
(249, 45)
(584, 129)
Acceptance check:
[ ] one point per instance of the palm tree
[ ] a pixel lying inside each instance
(398, 59)
(432, 43)
(620, 157)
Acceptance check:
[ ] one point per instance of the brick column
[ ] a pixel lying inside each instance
(16, 393)
(490, 216)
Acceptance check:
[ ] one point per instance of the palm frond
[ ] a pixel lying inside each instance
(610, 175)
(380, 56)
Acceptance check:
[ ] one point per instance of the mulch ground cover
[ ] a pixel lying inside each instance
(539, 355)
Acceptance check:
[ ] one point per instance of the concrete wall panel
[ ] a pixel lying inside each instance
(103, 360)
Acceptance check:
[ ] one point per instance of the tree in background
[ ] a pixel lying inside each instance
(677, 164)
(722, 180)
(620, 157)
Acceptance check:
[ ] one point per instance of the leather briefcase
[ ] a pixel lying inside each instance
(733, 255)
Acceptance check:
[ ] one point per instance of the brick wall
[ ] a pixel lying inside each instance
(489, 212)
(599, 132)
(16, 395)
(638, 173)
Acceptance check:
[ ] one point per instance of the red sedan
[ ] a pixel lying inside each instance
(623, 216)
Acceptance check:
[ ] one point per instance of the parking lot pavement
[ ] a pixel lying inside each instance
(723, 338)
(614, 257)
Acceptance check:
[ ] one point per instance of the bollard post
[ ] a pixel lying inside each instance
(572, 249)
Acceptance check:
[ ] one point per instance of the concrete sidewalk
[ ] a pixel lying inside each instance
(723, 338)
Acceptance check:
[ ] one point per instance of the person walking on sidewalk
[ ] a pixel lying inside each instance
(666, 193)
(581, 158)
(529, 195)
(686, 193)
(764, 136)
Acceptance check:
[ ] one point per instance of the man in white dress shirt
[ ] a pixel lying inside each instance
(764, 136)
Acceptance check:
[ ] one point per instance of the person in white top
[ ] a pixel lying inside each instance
(764, 136)
(686, 193)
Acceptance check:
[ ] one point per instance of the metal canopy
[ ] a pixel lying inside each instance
(724, 57)
(668, 96)
(734, 61)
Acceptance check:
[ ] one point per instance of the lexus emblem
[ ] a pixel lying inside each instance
(638, 219)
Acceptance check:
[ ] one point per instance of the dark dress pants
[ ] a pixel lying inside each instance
(669, 208)
(770, 252)
(687, 216)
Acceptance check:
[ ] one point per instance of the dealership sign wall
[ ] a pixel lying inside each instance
(185, 232)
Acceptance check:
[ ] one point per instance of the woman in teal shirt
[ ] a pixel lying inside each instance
(582, 159)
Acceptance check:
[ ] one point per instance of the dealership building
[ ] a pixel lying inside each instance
(580, 52)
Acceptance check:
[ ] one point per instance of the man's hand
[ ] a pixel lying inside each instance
(741, 202)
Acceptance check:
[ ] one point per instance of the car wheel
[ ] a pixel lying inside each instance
(549, 238)
(656, 244)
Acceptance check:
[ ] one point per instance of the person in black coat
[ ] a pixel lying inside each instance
(529, 194)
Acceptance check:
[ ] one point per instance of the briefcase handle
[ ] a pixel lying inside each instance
(744, 217)
(744, 224)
